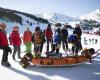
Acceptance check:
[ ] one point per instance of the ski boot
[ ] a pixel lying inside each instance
(19, 57)
(6, 64)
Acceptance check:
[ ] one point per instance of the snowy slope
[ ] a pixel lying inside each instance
(16, 18)
(33, 23)
(25, 18)
(85, 71)
(57, 17)
(26, 21)
(93, 15)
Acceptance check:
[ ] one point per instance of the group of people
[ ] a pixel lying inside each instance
(38, 38)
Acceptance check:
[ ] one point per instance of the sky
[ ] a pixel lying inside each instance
(72, 8)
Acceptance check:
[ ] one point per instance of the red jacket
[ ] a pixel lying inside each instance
(48, 33)
(3, 39)
(15, 38)
(27, 37)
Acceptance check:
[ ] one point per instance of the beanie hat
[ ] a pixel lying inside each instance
(2, 25)
(15, 28)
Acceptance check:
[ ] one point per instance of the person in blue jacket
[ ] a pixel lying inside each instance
(56, 41)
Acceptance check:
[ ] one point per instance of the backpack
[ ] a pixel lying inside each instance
(57, 39)
(37, 37)
(72, 38)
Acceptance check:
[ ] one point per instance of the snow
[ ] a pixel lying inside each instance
(93, 15)
(22, 27)
(84, 71)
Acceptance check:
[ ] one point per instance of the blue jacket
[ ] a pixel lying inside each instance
(57, 39)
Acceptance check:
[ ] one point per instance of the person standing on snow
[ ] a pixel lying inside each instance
(78, 32)
(73, 39)
(27, 40)
(48, 35)
(56, 39)
(37, 40)
(16, 42)
(4, 45)
(64, 36)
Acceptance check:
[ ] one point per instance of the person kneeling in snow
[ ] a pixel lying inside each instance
(4, 45)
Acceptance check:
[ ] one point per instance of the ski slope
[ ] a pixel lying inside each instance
(85, 71)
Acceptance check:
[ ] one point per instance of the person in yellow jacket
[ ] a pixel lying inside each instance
(27, 40)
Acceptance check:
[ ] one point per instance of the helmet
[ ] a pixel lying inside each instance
(2, 24)
(58, 24)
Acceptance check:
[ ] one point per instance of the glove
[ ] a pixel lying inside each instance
(9, 49)
(1, 47)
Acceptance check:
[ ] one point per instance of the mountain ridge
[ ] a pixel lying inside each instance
(95, 15)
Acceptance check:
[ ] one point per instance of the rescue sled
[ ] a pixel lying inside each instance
(86, 55)
(63, 61)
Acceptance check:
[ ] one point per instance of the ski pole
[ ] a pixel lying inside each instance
(97, 54)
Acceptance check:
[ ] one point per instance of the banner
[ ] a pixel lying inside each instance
(90, 41)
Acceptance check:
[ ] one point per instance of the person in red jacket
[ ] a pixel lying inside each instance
(4, 45)
(48, 34)
(16, 41)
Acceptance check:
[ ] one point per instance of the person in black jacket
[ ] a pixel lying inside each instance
(78, 32)
(64, 35)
